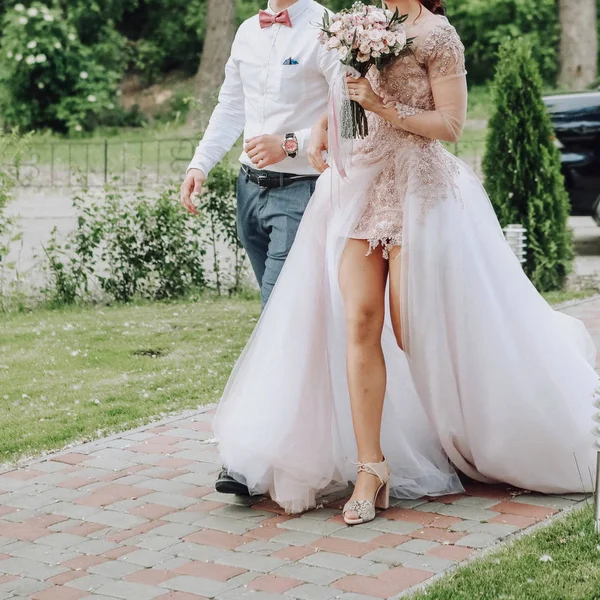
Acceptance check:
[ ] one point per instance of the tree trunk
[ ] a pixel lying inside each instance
(578, 44)
(220, 31)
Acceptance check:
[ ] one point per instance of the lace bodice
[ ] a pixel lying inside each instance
(427, 88)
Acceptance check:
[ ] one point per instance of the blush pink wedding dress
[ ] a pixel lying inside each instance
(492, 381)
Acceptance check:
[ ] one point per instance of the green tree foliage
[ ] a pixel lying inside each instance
(484, 25)
(522, 167)
(48, 77)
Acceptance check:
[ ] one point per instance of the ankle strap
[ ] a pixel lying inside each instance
(380, 470)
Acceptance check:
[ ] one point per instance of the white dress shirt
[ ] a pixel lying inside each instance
(261, 95)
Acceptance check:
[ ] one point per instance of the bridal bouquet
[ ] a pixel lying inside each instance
(364, 36)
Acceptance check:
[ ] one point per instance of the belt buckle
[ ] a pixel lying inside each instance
(262, 179)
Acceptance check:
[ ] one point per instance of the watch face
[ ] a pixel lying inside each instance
(291, 146)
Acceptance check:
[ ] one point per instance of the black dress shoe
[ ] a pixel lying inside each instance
(226, 484)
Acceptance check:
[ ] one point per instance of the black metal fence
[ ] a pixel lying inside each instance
(96, 163)
(135, 162)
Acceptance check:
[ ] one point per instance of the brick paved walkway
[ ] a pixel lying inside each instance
(135, 517)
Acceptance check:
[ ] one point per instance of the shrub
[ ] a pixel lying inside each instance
(218, 206)
(129, 246)
(48, 77)
(522, 167)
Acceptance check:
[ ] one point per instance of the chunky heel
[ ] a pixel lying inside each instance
(383, 497)
(365, 509)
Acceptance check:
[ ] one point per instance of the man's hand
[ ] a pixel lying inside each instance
(265, 150)
(191, 188)
(318, 144)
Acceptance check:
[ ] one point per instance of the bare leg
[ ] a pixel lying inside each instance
(395, 269)
(362, 283)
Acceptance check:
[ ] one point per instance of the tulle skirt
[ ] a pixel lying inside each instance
(491, 380)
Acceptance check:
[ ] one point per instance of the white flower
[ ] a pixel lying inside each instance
(335, 27)
(72, 37)
(40, 58)
(30, 60)
(83, 75)
(332, 43)
(363, 58)
(18, 57)
(19, 7)
(33, 12)
(41, 85)
(32, 44)
(48, 18)
(110, 106)
(91, 98)
(44, 8)
(78, 128)
(58, 45)
(343, 51)
(545, 558)
(23, 20)
(9, 54)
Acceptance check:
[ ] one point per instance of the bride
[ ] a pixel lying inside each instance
(402, 325)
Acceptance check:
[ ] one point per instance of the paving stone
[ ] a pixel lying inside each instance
(429, 563)
(196, 551)
(430, 507)
(235, 511)
(417, 546)
(337, 562)
(476, 502)
(398, 503)
(26, 567)
(250, 562)
(356, 534)
(24, 587)
(389, 526)
(183, 516)
(546, 501)
(320, 514)
(309, 591)
(128, 590)
(468, 512)
(497, 529)
(230, 498)
(351, 596)
(115, 569)
(309, 574)
(374, 570)
(89, 583)
(116, 519)
(389, 556)
(196, 585)
(61, 540)
(313, 526)
(224, 524)
(464, 525)
(145, 558)
(261, 547)
(154, 542)
(477, 540)
(296, 538)
(175, 530)
(165, 499)
(94, 547)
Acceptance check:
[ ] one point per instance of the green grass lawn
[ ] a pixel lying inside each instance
(559, 562)
(81, 373)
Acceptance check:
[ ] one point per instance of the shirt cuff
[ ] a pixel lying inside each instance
(202, 163)
(303, 137)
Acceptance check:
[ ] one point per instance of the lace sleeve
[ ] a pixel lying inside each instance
(444, 54)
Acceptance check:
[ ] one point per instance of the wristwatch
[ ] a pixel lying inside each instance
(290, 145)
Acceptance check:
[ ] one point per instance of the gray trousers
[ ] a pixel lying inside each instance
(267, 221)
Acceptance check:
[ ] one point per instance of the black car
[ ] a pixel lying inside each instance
(576, 119)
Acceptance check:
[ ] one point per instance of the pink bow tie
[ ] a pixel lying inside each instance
(266, 19)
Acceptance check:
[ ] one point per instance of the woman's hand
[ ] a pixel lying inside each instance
(318, 144)
(360, 91)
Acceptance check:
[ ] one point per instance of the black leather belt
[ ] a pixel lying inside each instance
(271, 179)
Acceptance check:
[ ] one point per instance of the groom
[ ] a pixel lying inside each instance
(276, 87)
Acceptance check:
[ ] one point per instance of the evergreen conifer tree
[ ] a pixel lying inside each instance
(522, 167)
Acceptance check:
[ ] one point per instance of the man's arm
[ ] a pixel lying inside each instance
(225, 127)
(331, 67)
